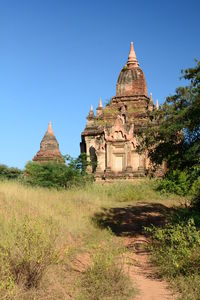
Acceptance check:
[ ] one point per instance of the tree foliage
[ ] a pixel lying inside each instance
(173, 132)
(9, 173)
(58, 175)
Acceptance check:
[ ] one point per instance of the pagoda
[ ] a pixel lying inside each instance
(111, 136)
(49, 148)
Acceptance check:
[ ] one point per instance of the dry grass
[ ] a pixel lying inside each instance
(105, 278)
(60, 222)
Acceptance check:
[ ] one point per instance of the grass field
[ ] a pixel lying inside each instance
(51, 246)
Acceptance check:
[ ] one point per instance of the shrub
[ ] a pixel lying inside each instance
(177, 182)
(181, 182)
(196, 193)
(48, 174)
(9, 173)
(105, 279)
(27, 249)
(55, 175)
(176, 250)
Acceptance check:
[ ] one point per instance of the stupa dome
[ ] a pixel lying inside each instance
(49, 147)
(131, 80)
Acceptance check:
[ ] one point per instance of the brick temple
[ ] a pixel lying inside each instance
(110, 137)
(49, 148)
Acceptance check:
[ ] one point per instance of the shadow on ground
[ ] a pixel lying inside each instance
(131, 220)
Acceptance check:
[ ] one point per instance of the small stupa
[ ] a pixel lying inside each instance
(49, 148)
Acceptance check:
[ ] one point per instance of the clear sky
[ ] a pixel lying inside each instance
(57, 57)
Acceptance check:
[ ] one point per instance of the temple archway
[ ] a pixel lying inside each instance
(93, 158)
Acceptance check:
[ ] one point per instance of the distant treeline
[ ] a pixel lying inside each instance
(51, 174)
(9, 173)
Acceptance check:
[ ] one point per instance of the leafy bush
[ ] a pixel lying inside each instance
(196, 193)
(176, 250)
(57, 175)
(49, 174)
(9, 173)
(175, 182)
(180, 182)
(27, 249)
(105, 279)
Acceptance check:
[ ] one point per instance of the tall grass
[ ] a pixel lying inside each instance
(129, 191)
(36, 227)
(105, 277)
(27, 248)
(42, 232)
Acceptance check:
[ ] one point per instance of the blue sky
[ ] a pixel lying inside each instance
(57, 57)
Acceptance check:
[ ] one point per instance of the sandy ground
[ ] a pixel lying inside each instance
(128, 224)
(143, 274)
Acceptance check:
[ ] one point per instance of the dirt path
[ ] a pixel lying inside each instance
(143, 274)
(128, 223)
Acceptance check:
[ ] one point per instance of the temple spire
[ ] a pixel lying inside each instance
(50, 130)
(91, 116)
(99, 108)
(151, 99)
(132, 56)
(100, 103)
(150, 106)
(157, 105)
(91, 113)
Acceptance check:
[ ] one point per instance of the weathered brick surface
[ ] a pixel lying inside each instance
(49, 148)
(131, 81)
(113, 132)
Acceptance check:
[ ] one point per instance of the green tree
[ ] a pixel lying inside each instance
(9, 173)
(58, 175)
(173, 132)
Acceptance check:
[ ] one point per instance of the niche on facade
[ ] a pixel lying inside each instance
(124, 118)
(123, 109)
(83, 145)
(118, 163)
(119, 122)
(118, 135)
(100, 142)
(93, 158)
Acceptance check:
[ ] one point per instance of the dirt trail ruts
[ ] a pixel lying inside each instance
(128, 223)
(143, 275)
